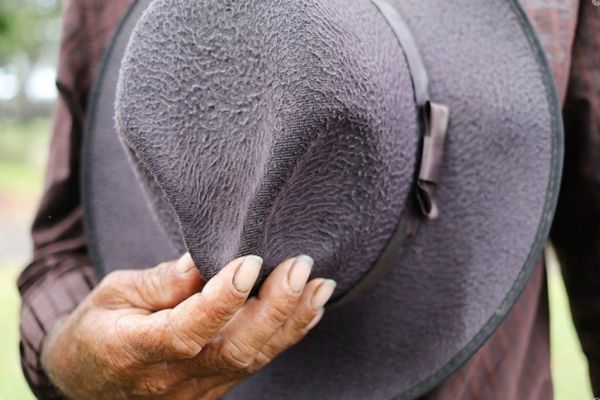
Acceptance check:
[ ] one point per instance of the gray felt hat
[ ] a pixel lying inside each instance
(412, 147)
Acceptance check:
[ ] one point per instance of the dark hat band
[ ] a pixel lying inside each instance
(434, 125)
(434, 116)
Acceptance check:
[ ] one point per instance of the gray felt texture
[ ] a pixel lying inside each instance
(268, 138)
(288, 126)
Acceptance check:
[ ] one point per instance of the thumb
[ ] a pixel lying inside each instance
(161, 287)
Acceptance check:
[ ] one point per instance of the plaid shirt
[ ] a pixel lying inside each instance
(514, 362)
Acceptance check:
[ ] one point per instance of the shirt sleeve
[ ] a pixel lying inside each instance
(576, 229)
(59, 275)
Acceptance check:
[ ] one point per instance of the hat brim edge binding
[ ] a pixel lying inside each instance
(506, 305)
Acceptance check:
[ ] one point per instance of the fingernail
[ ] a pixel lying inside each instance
(185, 263)
(323, 293)
(247, 272)
(299, 272)
(316, 320)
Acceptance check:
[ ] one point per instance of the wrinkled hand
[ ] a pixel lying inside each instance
(151, 334)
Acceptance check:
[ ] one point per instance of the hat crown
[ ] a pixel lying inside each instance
(275, 128)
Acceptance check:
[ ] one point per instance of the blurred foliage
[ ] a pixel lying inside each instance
(24, 142)
(27, 27)
(23, 153)
(29, 36)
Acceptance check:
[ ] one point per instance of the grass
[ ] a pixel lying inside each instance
(569, 366)
(12, 382)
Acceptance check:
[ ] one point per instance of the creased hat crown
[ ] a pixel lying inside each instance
(271, 127)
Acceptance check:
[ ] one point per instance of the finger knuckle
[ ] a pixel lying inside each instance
(109, 288)
(184, 348)
(154, 386)
(183, 342)
(293, 331)
(155, 283)
(275, 313)
(260, 362)
(101, 296)
(300, 322)
(113, 279)
(219, 313)
(234, 355)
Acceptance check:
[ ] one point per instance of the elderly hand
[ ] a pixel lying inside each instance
(151, 334)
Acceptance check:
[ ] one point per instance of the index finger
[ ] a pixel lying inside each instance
(183, 331)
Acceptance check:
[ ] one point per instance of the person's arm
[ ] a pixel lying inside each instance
(149, 334)
(576, 230)
(59, 276)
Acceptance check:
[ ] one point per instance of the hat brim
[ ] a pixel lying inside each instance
(458, 277)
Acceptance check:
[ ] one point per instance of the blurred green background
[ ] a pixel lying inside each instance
(29, 31)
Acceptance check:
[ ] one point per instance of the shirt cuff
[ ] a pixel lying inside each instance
(50, 289)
